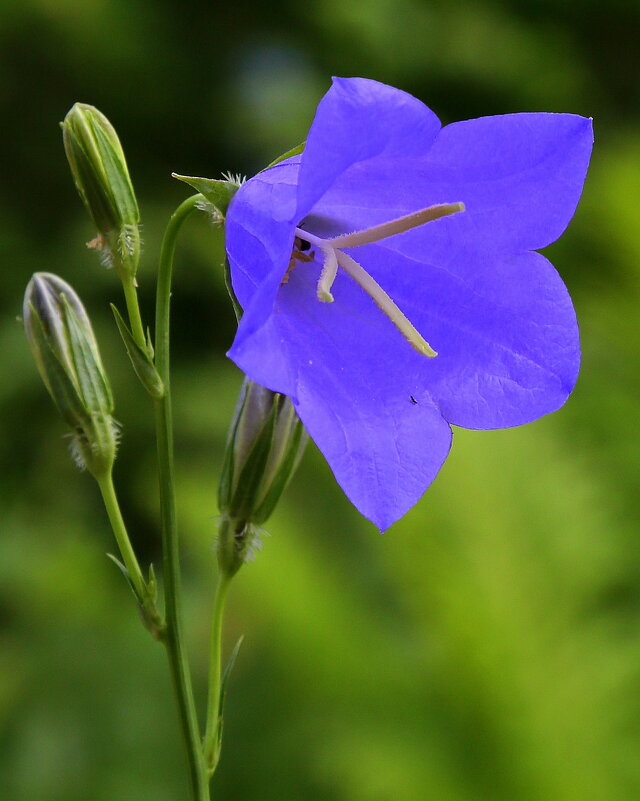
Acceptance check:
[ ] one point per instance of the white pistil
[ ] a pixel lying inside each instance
(328, 275)
(384, 303)
(333, 258)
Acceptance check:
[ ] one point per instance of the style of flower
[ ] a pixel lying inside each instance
(390, 285)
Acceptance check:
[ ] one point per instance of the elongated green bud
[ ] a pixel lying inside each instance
(66, 353)
(265, 444)
(100, 173)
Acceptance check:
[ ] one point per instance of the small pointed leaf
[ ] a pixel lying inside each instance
(140, 360)
(227, 672)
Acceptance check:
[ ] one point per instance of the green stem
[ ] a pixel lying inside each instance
(120, 531)
(133, 309)
(211, 738)
(171, 559)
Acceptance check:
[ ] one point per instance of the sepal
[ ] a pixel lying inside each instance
(217, 192)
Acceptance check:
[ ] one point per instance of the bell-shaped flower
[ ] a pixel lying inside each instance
(390, 283)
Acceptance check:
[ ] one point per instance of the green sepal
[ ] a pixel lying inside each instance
(293, 152)
(140, 360)
(217, 191)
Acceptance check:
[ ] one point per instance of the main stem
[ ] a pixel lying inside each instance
(171, 558)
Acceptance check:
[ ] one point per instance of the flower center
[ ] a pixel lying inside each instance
(334, 257)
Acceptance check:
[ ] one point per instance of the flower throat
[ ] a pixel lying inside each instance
(334, 257)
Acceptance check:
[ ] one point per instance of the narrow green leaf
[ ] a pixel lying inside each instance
(124, 572)
(143, 366)
(227, 672)
(223, 692)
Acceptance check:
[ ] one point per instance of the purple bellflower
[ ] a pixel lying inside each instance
(390, 285)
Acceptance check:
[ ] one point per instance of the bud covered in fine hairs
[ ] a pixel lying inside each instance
(64, 347)
(100, 173)
(265, 444)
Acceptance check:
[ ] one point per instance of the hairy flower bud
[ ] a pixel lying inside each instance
(100, 173)
(66, 353)
(265, 444)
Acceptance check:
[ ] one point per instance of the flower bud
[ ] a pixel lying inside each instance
(100, 173)
(265, 444)
(66, 353)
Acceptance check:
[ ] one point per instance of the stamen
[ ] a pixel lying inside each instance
(333, 258)
(398, 226)
(327, 276)
(384, 303)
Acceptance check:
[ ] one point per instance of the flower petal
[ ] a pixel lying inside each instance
(357, 120)
(520, 177)
(356, 386)
(259, 240)
(503, 326)
(258, 233)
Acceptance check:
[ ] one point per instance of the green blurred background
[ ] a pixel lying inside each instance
(487, 648)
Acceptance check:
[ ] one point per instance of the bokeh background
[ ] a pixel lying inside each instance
(487, 648)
